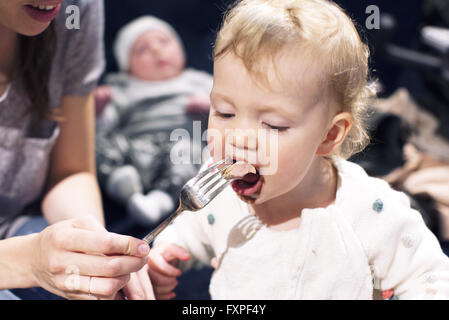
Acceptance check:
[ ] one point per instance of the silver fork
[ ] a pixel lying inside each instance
(196, 194)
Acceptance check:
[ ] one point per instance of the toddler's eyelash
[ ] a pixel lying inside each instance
(224, 115)
(280, 129)
(231, 115)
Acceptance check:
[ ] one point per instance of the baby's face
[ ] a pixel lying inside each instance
(156, 55)
(244, 110)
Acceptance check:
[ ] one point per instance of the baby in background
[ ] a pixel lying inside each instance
(138, 110)
(319, 227)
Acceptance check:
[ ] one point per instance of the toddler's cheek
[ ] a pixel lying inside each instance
(287, 175)
(215, 152)
(215, 144)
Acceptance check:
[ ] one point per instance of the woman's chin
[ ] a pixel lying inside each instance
(33, 29)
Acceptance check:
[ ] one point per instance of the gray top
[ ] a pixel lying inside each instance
(76, 68)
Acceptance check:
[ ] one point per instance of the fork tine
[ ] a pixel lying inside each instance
(208, 170)
(212, 185)
(212, 176)
(212, 195)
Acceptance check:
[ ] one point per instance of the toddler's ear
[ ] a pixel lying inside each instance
(340, 126)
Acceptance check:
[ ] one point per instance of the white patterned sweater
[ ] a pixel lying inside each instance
(369, 238)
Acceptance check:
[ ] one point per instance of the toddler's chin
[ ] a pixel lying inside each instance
(257, 198)
(249, 200)
(264, 195)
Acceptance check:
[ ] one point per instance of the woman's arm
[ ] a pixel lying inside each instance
(15, 267)
(72, 186)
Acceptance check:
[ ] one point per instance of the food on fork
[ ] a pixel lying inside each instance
(247, 181)
(238, 170)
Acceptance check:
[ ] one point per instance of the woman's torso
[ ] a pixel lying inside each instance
(25, 150)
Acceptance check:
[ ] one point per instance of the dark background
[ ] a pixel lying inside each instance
(197, 21)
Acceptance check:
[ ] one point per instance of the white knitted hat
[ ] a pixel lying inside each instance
(131, 32)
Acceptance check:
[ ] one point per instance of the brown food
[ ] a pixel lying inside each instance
(238, 170)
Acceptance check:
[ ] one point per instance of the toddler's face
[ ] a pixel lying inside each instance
(243, 110)
(156, 55)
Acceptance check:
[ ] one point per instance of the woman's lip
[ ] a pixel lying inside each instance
(45, 3)
(41, 15)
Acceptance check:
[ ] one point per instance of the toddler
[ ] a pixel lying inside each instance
(139, 108)
(318, 227)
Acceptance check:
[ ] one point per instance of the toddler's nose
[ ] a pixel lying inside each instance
(242, 145)
(243, 139)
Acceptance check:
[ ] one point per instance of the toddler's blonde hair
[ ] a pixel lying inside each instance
(255, 29)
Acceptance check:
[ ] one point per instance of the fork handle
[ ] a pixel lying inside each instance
(153, 234)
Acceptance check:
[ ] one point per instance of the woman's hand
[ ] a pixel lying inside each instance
(162, 273)
(79, 259)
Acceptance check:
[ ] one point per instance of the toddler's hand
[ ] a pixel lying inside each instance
(161, 269)
(214, 263)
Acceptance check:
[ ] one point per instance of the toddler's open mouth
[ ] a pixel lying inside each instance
(249, 185)
(248, 181)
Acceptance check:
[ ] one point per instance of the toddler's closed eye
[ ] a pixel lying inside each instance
(273, 127)
(223, 115)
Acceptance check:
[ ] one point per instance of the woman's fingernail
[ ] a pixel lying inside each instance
(144, 249)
